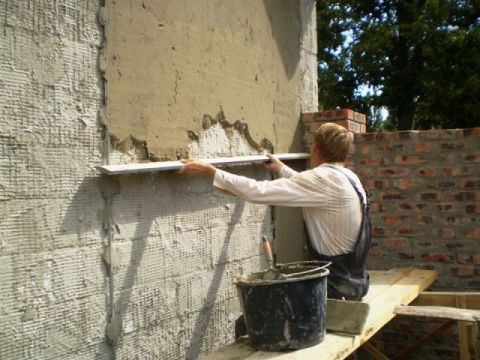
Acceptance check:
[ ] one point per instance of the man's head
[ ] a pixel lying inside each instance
(332, 144)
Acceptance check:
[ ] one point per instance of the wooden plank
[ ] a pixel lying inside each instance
(337, 346)
(464, 350)
(473, 343)
(241, 350)
(382, 280)
(353, 323)
(374, 352)
(402, 292)
(138, 168)
(448, 298)
(440, 312)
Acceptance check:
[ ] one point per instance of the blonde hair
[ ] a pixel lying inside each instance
(334, 142)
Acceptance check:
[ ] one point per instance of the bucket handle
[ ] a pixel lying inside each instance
(307, 271)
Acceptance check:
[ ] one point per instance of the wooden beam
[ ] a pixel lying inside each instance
(147, 167)
(407, 353)
(449, 298)
(440, 312)
(373, 351)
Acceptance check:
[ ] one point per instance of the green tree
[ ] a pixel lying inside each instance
(420, 59)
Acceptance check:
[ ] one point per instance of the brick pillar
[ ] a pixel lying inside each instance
(353, 121)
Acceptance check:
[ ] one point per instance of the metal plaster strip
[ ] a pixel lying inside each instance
(126, 169)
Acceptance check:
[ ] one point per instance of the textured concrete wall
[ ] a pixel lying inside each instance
(137, 266)
(53, 289)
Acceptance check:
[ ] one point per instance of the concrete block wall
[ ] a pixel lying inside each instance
(53, 288)
(98, 267)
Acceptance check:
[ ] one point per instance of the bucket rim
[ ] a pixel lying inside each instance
(321, 271)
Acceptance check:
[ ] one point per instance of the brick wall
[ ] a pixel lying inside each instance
(425, 204)
(425, 188)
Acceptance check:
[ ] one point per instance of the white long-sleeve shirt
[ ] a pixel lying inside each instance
(331, 207)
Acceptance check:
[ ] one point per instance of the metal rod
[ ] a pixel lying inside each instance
(126, 169)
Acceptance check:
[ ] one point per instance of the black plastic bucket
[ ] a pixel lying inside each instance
(288, 313)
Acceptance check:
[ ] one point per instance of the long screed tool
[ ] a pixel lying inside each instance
(125, 169)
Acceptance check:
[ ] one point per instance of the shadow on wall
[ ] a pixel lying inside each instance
(138, 206)
(285, 20)
(146, 200)
(298, 144)
(195, 346)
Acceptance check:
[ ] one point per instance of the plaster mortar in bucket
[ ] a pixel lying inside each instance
(288, 312)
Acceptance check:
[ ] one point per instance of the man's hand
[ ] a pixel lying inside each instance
(198, 168)
(273, 164)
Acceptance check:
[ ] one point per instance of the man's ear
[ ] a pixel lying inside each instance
(316, 148)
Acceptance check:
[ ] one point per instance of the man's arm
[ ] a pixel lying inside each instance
(281, 192)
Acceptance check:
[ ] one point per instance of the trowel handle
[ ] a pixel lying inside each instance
(267, 250)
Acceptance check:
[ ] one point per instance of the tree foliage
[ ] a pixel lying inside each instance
(419, 59)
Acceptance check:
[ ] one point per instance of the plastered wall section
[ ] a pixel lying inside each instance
(176, 248)
(209, 79)
(171, 62)
(52, 283)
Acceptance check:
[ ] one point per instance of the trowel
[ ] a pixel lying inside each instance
(271, 273)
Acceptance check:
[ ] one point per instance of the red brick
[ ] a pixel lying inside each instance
(446, 183)
(376, 208)
(451, 146)
(456, 171)
(451, 220)
(396, 148)
(393, 196)
(476, 259)
(393, 172)
(391, 220)
(464, 259)
(437, 257)
(428, 196)
(464, 271)
(472, 209)
(475, 158)
(463, 196)
(404, 184)
(446, 207)
(422, 147)
(365, 173)
(396, 243)
(425, 220)
(471, 132)
(427, 172)
(474, 234)
(438, 134)
(379, 232)
(375, 184)
(365, 149)
(409, 159)
(406, 231)
(446, 233)
(375, 253)
(374, 161)
(469, 184)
